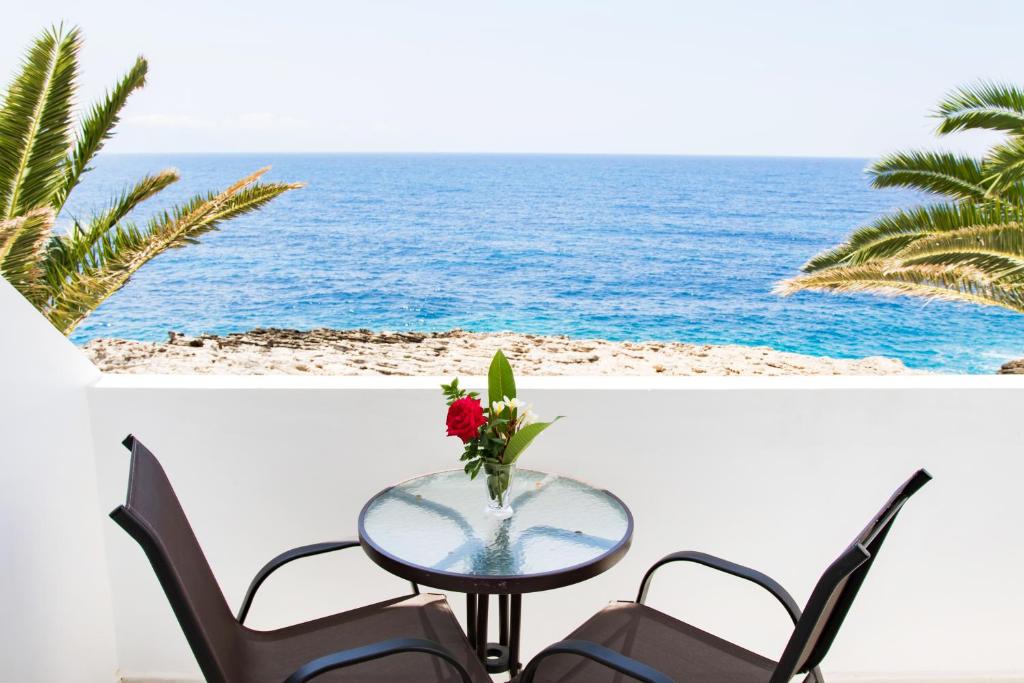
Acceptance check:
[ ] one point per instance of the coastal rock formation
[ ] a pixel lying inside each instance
(1014, 367)
(363, 352)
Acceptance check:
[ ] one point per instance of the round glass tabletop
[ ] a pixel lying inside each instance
(434, 530)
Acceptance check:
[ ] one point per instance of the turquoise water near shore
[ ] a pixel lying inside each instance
(617, 247)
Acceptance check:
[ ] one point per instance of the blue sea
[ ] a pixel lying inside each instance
(617, 247)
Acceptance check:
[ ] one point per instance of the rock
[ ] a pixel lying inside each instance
(363, 352)
(1014, 367)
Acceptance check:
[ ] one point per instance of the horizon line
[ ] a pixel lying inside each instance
(523, 154)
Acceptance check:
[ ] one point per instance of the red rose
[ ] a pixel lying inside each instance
(465, 417)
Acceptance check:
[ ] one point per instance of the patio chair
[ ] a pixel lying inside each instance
(634, 640)
(412, 638)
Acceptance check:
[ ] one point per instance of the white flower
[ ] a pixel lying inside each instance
(528, 417)
(497, 407)
(516, 404)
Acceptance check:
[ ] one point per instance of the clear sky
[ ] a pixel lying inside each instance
(778, 77)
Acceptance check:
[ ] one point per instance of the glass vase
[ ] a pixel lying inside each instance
(499, 489)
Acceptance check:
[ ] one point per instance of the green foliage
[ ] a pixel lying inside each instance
(67, 276)
(950, 175)
(499, 478)
(968, 249)
(35, 123)
(453, 392)
(22, 243)
(501, 383)
(983, 106)
(523, 438)
(98, 126)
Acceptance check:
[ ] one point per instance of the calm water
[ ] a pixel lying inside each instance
(669, 248)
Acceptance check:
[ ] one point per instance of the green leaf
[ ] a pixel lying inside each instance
(942, 283)
(888, 235)
(22, 244)
(951, 175)
(1004, 164)
(523, 438)
(36, 121)
(501, 383)
(983, 106)
(73, 251)
(67, 276)
(97, 127)
(126, 248)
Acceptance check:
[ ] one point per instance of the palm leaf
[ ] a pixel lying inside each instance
(888, 235)
(1004, 164)
(97, 127)
(72, 251)
(942, 283)
(954, 176)
(984, 106)
(995, 252)
(35, 123)
(124, 249)
(22, 244)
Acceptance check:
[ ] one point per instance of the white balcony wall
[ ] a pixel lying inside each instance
(57, 622)
(778, 474)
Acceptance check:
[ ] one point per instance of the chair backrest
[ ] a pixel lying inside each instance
(834, 594)
(153, 516)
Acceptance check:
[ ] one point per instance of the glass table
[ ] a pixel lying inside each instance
(433, 530)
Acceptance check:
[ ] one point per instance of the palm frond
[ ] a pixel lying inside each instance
(983, 106)
(35, 123)
(994, 252)
(22, 243)
(1004, 164)
(97, 127)
(954, 176)
(941, 283)
(72, 251)
(890, 234)
(124, 249)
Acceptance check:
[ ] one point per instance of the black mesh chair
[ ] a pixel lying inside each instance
(632, 640)
(412, 638)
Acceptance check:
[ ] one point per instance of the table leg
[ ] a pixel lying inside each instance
(515, 620)
(503, 619)
(483, 599)
(504, 655)
(471, 618)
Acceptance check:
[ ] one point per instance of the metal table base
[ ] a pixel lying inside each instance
(502, 656)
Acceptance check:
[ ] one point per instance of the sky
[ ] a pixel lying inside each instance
(779, 78)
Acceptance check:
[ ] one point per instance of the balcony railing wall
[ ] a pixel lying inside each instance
(774, 473)
(57, 622)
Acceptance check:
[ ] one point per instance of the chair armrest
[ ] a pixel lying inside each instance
(378, 650)
(283, 559)
(738, 570)
(600, 654)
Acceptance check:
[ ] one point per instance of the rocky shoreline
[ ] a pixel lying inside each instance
(363, 352)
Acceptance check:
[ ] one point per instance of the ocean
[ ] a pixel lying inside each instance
(616, 247)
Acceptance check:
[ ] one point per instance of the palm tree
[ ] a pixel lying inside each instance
(42, 158)
(969, 245)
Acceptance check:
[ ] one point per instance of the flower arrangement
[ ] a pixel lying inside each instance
(495, 435)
